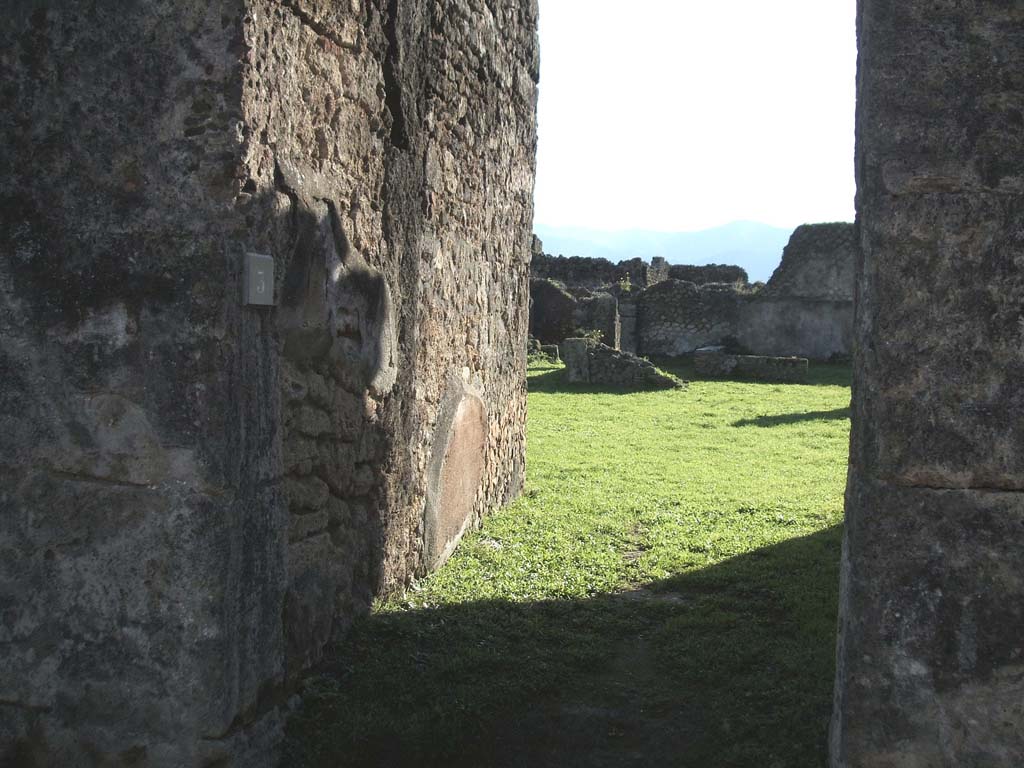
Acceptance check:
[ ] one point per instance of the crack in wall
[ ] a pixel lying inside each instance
(318, 27)
(392, 82)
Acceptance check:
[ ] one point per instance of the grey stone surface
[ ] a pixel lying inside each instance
(196, 496)
(819, 330)
(590, 362)
(716, 361)
(628, 340)
(932, 619)
(557, 313)
(806, 308)
(931, 657)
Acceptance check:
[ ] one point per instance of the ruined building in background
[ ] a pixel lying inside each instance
(198, 493)
(806, 309)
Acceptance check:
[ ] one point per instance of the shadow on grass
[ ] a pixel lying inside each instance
(794, 418)
(727, 666)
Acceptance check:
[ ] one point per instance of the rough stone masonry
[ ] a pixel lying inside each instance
(931, 646)
(196, 495)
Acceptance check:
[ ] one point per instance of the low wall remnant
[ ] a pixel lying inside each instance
(590, 362)
(717, 362)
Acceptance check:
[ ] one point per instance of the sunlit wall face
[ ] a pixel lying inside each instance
(677, 115)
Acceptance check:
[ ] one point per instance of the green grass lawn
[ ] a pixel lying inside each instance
(663, 594)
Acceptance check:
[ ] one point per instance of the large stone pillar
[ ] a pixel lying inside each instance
(931, 646)
(197, 495)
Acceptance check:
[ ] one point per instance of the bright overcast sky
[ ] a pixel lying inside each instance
(679, 115)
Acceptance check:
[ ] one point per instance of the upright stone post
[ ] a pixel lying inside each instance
(931, 638)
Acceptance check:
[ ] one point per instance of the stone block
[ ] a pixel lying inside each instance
(577, 360)
(717, 362)
(590, 362)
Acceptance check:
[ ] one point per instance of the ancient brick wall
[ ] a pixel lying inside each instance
(676, 317)
(931, 657)
(196, 495)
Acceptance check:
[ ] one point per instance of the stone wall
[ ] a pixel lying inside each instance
(628, 337)
(196, 495)
(718, 362)
(552, 311)
(806, 308)
(708, 273)
(818, 263)
(931, 657)
(576, 271)
(676, 317)
(593, 274)
(600, 312)
(590, 362)
(819, 330)
(556, 314)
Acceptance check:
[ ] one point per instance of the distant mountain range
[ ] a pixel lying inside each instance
(755, 247)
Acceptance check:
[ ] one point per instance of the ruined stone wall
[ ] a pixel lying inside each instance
(806, 308)
(577, 271)
(700, 274)
(592, 274)
(591, 362)
(819, 330)
(195, 495)
(600, 312)
(676, 317)
(930, 658)
(556, 314)
(552, 312)
(818, 263)
(658, 271)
